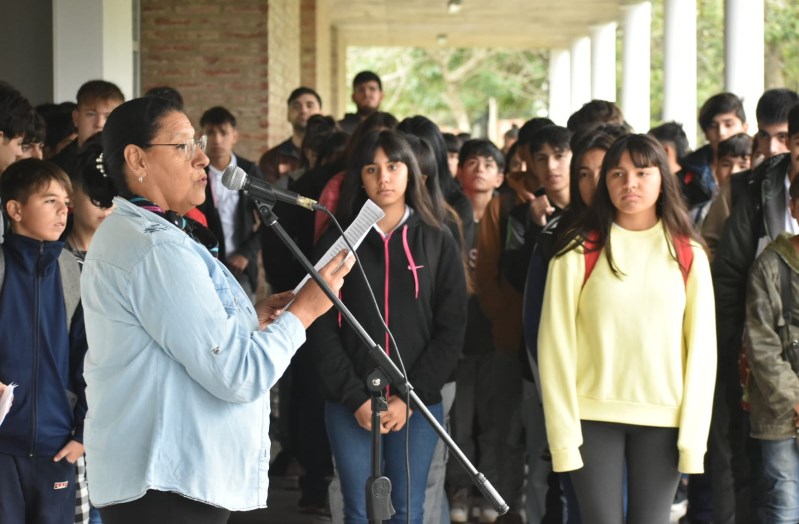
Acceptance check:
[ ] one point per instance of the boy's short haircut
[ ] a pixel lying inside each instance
(556, 137)
(615, 130)
(483, 148)
(16, 113)
(217, 116)
(167, 93)
(37, 131)
(452, 141)
(793, 121)
(98, 90)
(30, 176)
(304, 91)
(366, 76)
(58, 118)
(773, 106)
(595, 112)
(673, 133)
(512, 133)
(720, 104)
(739, 145)
(530, 128)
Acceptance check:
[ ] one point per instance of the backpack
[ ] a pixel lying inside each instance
(70, 281)
(682, 245)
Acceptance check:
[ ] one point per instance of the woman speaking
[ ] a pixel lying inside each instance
(180, 365)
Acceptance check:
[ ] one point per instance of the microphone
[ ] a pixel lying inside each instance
(235, 179)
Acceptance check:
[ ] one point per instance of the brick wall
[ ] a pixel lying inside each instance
(308, 43)
(284, 64)
(218, 53)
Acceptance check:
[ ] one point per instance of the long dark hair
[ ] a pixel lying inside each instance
(443, 185)
(134, 122)
(644, 151)
(396, 148)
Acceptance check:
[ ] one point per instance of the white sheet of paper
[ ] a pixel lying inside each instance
(368, 216)
(5, 401)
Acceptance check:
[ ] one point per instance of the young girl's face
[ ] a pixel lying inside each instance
(634, 192)
(385, 181)
(85, 213)
(590, 166)
(517, 163)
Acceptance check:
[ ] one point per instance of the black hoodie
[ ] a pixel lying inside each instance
(426, 313)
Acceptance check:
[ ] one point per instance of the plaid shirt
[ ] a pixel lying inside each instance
(81, 494)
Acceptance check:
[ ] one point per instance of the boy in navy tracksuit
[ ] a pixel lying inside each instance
(41, 438)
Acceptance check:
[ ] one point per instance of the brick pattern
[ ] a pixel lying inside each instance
(218, 53)
(308, 43)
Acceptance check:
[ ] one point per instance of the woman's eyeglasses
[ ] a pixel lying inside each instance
(189, 147)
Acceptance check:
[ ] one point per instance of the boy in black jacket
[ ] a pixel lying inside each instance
(41, 438)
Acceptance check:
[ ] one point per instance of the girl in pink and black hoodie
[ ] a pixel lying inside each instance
(414, 267)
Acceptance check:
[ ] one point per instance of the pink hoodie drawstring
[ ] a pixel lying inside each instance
(411, 263)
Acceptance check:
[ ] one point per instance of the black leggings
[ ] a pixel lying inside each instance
(650, 455)
(163, 506)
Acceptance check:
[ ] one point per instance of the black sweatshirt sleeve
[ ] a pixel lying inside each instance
(434, 366)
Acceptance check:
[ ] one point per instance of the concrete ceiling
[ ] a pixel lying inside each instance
(530, 24)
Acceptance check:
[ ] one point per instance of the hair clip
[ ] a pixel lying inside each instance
(100, 166)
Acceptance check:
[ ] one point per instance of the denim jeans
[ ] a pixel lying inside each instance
(351, 447)
(781, 476)
(435, 497)
(94, 516)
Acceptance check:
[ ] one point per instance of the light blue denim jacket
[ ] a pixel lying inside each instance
(177, 373)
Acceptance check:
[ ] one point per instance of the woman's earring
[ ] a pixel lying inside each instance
(141, 179)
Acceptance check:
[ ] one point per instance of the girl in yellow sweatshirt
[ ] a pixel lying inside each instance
(628, 356)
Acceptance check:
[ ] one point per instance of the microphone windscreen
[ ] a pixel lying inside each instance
(234, 178)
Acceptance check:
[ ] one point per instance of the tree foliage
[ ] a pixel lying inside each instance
(452, 86)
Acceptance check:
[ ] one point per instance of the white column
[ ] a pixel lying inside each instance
(679, 76)
(92, 40)
(744, 50)
(635, 71)
(559, 86)
(603, 62)
(580, 72)
(492, 129)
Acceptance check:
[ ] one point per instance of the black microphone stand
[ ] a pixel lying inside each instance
(388, 374)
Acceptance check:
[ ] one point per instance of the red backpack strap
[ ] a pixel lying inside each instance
(591, 253)
(685, 255)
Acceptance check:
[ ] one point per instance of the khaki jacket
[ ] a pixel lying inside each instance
(773, 385)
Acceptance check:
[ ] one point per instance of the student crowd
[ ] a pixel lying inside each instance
(602, 319)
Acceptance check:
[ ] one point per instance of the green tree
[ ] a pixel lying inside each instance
(782, 40)
(452, 86)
